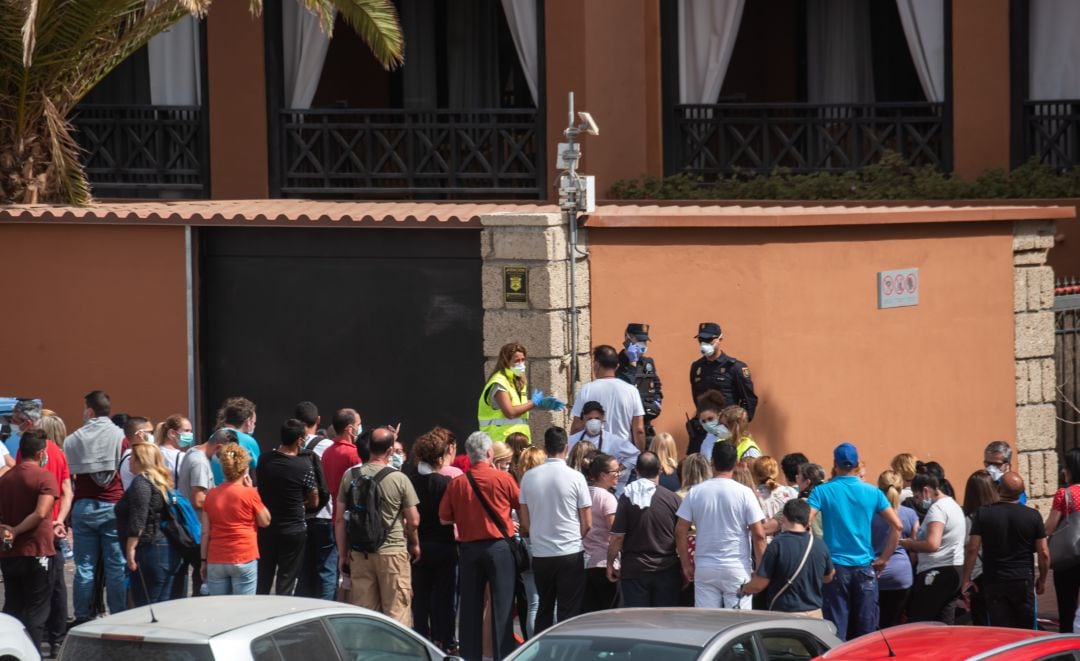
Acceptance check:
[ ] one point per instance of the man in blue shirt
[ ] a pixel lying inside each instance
(238, 414)
(848, 505)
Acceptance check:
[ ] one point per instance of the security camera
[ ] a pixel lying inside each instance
(589, 123)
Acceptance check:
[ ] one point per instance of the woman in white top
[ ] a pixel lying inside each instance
(771, 494)
(940, 546)
(602, 474)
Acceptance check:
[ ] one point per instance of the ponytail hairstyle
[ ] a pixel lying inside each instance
(578, 459)
(152, 466)
(171, 423)
(598, 463)
(234, 461)
(737, 422)
(766, 470)
(891, 482)
(814, 474)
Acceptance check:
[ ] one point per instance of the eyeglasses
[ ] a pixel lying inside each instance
(617, 471)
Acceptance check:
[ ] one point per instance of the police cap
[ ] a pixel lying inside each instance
(709, 330)
(638, 331)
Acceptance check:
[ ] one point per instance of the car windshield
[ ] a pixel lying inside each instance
(83, 648)
(587, 648)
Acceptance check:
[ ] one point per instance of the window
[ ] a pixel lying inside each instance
(742, 649)
(789, 645)
(369, 639)
(299, 642)
(83, 647)
(577, 648)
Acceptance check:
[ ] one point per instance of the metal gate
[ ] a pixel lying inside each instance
(1067, 360)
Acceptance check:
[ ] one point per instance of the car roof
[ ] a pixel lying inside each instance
(198, 619)
(923, 638)
(676, 626)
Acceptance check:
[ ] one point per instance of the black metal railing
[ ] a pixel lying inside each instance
(1052, 133)
(404, 153)
(725, 138)
(1067, 362)
(144, 151)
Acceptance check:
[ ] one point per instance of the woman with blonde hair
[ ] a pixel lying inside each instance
(54, 428)
(174, 436)
(230, 515)
(151, 558)
(895, 581)
(906, 464)
(771, 494)
(737, 421)
(579, 456)
(668, 454)
(694, 470)
(531, 457)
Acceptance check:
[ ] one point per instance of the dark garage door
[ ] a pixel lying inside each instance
(388, 321)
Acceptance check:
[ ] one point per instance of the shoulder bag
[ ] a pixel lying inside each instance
(1065, 542)
(798, 570)
(517, 546)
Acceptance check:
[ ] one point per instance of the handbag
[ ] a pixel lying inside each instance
(798, 570)
(517, 546)
(1065, 542)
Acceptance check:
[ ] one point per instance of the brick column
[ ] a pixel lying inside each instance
(1036, 414)
(540, 244)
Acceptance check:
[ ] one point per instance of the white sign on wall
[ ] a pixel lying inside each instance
(898, 288)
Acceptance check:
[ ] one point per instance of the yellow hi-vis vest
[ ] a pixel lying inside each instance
(745, 444)
(490, 418)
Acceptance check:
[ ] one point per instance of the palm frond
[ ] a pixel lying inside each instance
(376, 21)
(29, 31)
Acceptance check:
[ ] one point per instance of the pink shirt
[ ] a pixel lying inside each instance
(450, 471)
(596, 540)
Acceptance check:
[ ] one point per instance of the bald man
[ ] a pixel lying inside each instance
(1008, 534)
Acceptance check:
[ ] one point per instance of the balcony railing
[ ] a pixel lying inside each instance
(404, 153)
(144, 151)
(1052, 133)
(725, 138)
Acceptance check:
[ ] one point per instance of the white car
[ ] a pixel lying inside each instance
(15, 642)
(261, 628)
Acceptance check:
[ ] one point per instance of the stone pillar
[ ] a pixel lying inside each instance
(540, 243)
(1036, 391)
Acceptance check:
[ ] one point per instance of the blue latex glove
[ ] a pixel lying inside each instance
(537, 398)
(550, 403)
(633, 353)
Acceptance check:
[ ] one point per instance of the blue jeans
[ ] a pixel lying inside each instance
(851, 601)
(532, 597)
(318, 574)
(232, 579)
(158, 564)
(93, 523)
(656, 589)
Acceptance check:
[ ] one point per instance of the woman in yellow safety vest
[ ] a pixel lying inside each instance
(737, 420)
(504, 403)
(724, 424)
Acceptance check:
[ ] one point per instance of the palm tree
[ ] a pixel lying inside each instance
(52, 52)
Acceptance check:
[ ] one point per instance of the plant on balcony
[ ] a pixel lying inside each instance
(52, 52)
(889, 179)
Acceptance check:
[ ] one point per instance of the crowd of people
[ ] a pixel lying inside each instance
(457, 539)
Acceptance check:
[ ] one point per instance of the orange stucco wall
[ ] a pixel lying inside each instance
(98, 307)
(799, 306)
(980, 54)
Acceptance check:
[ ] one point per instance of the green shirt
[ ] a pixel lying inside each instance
(398, 495)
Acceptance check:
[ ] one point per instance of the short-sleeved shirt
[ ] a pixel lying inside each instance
(848, 506)
(460, 505)
(897, 574)
(336, 459)
(398, 495)
(172, 457)
(647, 523)
(554, 493)
(1074, 500)
(19, 491)
(246, 441)
(782, 557)
(623, 449)
(596, 540)
(430, 489)
(946, 511)
(1009, 532)
(722, 510)
(58, 466)
(194, 472)
(284, 483)
(621, 402)
(231, 510)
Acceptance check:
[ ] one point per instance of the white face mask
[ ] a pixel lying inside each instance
(707, 349)
(593, 426)
(518, 369)
(995, 473)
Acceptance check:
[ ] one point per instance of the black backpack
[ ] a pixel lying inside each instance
(365, 528)
(320, 476)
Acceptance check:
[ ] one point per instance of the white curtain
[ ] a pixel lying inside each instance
(1054, 51)
(839, 64)
(175, 71)
(924, 27)
(707, 33)
(303, 52)
(522, 18)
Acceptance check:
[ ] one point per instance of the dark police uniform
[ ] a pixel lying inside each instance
(644, 377)
(728, 375)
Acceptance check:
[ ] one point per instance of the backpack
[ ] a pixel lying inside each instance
(182, 527)
(320, 475)
(365, 528)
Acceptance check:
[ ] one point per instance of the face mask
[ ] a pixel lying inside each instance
(518, 370)
(717, 429)
(359, 431)
(995, 473)
(925, 503)
(44, 460)
(187, 439)
(593, 426)
(396, 460)
(707, 349)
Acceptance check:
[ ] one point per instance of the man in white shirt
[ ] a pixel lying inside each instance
(556, 513)
(318, 577)
(624, 414)
(623, 449)
(729, 519)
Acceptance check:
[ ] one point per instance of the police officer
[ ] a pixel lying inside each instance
(640, 372)
(716, 370)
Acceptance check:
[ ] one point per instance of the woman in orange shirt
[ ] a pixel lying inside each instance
(231, 512)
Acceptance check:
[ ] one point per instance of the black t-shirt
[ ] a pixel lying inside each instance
(430, 489)
(649, 542)
(284, 482)
(1009, 532)
(782, 558)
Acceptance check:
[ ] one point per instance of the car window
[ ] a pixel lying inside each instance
(1061, 656)
(82, 647)
(587, 648)
(299, 642)
(789, 646)
(369, 639)
(741, 649)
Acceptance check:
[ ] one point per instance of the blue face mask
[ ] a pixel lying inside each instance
(187, 439)
(44, 460)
